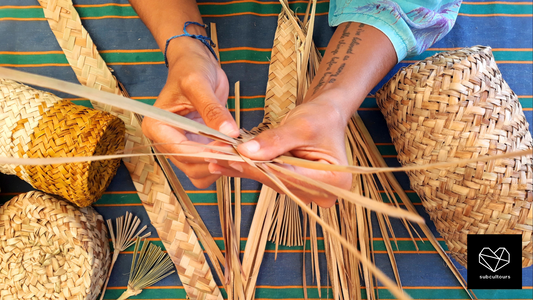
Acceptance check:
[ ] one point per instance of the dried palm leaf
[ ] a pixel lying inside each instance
(149, 265)
(125, 237)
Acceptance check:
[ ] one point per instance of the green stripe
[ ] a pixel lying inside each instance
(258, 102)
(22, 13)
(225, 56)
(124, 199)
(522, 55)
(495, 8)
(297, 292)
(231, 8)
(208, 197)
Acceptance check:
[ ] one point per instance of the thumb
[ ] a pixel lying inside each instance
(271, 143)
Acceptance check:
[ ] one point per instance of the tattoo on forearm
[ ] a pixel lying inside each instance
(345, 32)
(341, 42)
(330, 75)
(331, 62)
(355, 41)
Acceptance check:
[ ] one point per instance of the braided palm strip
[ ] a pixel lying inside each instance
(164, 210)
(280, 96)
(456, 105)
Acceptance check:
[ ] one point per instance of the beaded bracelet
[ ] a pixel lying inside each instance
(202, 38)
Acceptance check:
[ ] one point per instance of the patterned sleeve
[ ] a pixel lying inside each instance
(411, 25)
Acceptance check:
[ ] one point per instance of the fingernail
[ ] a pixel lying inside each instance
(210, 160)
(236, 166)
(212, 170)
(228, 129)
(251, 146)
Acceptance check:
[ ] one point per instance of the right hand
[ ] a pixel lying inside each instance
(196, 88)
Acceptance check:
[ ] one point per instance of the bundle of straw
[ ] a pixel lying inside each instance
(36, 124)
(51, 249)
(456, 105)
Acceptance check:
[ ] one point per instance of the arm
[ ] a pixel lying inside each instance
(196, 86)
(356, 59)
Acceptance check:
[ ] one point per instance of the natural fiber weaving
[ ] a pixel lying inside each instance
(49, 249)
(36, 124)
(280, 96)
(456, 105)
(162, 206)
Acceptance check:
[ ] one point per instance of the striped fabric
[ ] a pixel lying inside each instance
(245, 31)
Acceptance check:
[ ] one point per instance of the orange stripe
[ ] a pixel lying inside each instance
(30, 52)
(110, 17)
(34, 65)
(117, 205)
(22, 19)
(136, 63)
(19, 7)
(102, 5)
(248, 97)
(495, 15)
(245, 48)
(255, 14)
(527, 109)
(243, 61)
(130, 51)
(248, 109)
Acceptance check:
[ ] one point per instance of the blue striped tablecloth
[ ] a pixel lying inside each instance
(246, 30)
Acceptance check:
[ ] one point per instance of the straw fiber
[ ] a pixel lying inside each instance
(456, 105)
(280, 96)
(162, 206)
(50, 249)
(37, 124)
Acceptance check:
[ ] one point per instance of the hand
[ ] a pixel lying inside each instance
(196, 88)
(315, 131)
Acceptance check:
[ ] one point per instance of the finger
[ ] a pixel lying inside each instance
(272, 143)
(213, 112)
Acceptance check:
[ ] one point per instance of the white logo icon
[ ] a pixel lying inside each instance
(494, 260)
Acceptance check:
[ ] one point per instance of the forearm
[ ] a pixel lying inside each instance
(357, 58)
(166, 18)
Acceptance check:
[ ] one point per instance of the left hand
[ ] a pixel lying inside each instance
(314, 131)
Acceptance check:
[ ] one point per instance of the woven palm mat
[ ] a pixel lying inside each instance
(37, 124)
(51, 250)
(164, 210)
(456, 105)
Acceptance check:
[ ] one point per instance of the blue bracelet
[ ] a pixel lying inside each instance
(202, 38)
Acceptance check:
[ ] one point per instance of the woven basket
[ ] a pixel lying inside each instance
(456, 105)
(35, 124)
(49, 249)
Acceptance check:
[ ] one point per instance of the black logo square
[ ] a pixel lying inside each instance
(494, 261)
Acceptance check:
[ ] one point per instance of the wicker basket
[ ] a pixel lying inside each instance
(456, 105)
(49, 249)
(35, 124)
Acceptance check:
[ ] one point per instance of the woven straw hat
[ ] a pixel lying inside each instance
(456, 105)
(50, 249)
(36, 124)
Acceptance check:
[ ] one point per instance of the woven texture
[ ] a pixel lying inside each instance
(37, 124)
(49, 249)
(164, 210)
(280, 96)
(456, 105)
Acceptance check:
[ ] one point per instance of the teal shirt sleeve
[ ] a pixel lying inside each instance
(412, 26)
